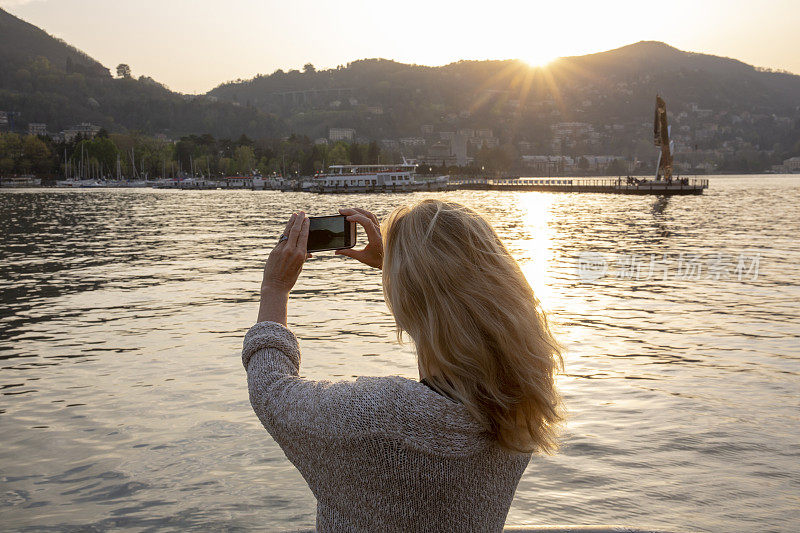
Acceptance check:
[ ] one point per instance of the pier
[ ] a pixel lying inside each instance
(684, 186)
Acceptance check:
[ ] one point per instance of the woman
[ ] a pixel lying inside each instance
(390, 453)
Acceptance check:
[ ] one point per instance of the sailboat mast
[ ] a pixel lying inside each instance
(133, 164)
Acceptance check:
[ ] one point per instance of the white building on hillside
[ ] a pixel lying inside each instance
(85, 129)
(792, 164)
(37, 128)
(341, 134)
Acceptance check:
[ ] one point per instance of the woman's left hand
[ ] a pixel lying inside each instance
(286, 260)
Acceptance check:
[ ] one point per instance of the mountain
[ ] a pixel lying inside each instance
(684, 77)
(720, 109)
(43, 79)
(21, 43)
(711, 100)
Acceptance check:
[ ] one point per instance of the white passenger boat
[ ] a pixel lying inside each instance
(236, 182)
(184, 183)
(274, 182)
(375, 178)
(198, 183)
(20, 181)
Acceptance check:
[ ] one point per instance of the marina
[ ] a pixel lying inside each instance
(383, 181)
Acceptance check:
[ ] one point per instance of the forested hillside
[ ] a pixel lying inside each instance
(43, 79)
(723, 99)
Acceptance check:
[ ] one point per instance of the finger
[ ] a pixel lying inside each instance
(289, 224)
(357, 210)
(355, 254)
(282, 242)
(373, 234)
(294, 232)
(302, 239)
(368, 215)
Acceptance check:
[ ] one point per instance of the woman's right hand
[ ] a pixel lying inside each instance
(372, 254)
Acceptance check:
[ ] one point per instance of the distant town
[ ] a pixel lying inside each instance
(457, 151)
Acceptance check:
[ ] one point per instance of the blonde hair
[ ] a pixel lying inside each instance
(480, 332)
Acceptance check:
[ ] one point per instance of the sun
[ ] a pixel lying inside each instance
(538, 60)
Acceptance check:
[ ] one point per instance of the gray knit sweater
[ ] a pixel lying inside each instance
(379, 453)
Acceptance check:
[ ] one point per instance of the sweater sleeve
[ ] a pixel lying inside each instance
(298, 411)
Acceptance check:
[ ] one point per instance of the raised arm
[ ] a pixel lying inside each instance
(300, 414)
(283, 266)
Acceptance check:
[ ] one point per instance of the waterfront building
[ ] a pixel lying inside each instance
(792, 165)
(448, 151)
(440, 154)
(458, 146)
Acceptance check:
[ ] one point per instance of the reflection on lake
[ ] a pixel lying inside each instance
(123, 401)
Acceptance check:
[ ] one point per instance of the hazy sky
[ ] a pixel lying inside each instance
(193, 45)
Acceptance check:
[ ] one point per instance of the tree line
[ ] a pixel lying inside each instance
(136, 156)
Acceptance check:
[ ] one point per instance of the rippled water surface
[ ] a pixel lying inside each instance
(123, 401)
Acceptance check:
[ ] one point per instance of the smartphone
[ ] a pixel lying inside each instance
(330, 233)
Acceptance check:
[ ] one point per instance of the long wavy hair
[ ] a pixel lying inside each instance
(480, 332)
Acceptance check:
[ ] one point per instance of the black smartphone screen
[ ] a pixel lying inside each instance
(328, 233)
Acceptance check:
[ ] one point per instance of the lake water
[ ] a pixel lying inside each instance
(123, 402)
